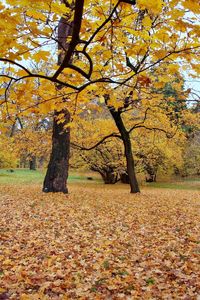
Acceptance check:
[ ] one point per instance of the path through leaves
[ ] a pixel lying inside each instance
(99, 243)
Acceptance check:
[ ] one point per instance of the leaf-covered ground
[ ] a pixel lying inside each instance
(99, 243)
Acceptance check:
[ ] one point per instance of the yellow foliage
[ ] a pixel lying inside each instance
(8, 157)
(154, 6)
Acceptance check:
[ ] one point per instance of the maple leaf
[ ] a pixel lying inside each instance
(144, 80)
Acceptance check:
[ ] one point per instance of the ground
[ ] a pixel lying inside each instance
(99, 242)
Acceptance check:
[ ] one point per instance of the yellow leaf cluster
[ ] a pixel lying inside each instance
(153, 6)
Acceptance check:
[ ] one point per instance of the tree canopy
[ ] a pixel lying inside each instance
(114, 44)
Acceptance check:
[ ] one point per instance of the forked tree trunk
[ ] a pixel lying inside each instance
(57, 171)
(127, 149)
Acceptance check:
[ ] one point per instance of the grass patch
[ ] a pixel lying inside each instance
(182, 185)
(21, 176)
(25, 176)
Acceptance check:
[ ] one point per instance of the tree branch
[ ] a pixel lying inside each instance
(101, 26)
(168, 135)
(16, 64)
(79, 4)
(157, 62)
(30, 74)
(97, 144)
(138, 124)
(90, 62)
(79, 70)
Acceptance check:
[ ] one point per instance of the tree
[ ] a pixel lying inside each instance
(8, 158)
(125, 136)
(156, 154)
(114, 45)
(31, 141)
(192, 156)
(192, 150)
(57, 170)
(106, 158)
(156, 146)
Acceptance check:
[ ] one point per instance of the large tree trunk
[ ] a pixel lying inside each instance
(128, 150)
(57, 171)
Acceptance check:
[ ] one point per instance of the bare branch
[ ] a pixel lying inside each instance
(59, 82)
(168, 135)
(79, 70)
(8, 76)
(157, 62)
(90, 62)
(133, 2)
(97, 144)
(138, 124)
(16, 64)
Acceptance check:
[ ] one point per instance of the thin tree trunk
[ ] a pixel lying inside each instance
(32, 163)
(128, 150)
(130, 164)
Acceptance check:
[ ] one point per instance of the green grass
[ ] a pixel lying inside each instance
(25, 176)
(21, 176)
(182, 185)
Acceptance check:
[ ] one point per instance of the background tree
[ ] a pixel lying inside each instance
(155, 153)
(8, 158)
(191, 156)
(106, 158)
(192, 149)
(158, 155)
(31, 142)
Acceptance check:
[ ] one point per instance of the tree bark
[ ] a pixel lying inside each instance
(57, 170)
(151, 177)
(128, 150)
(108, 176)
(151, 172)
(32, 163)
(124, 178)
(130, 164)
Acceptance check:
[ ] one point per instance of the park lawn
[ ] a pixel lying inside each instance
(25, 176)
(178, 185)
(99, 242)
